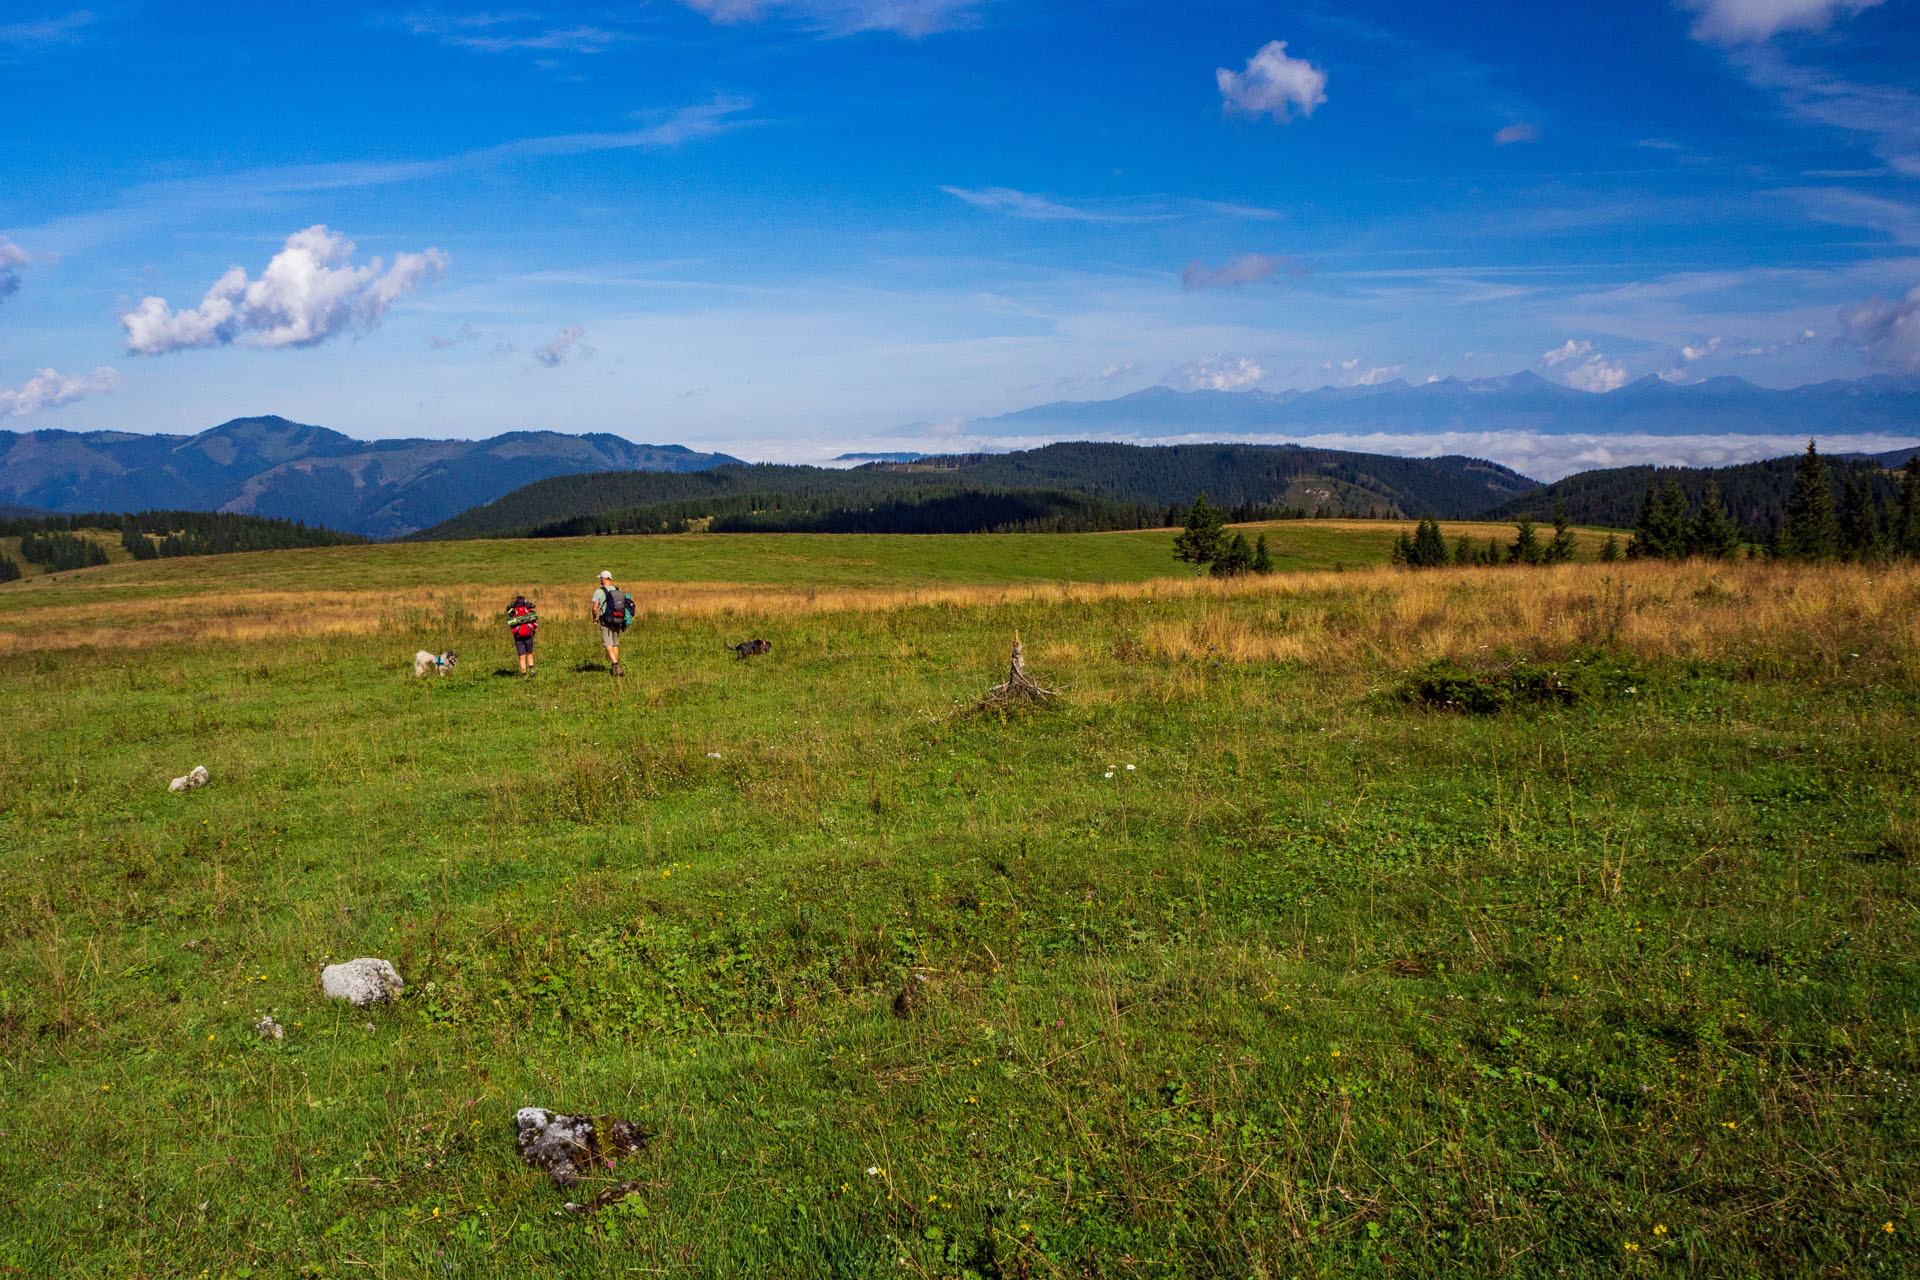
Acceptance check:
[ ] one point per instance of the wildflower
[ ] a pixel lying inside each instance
(1129, 768)
(1109, 773)
(1632, 1247)
(1659, 1228)
(1729, 1124)
(1887, 1227)
(873, 1170)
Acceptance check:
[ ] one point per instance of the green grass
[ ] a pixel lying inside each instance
(1235, 969)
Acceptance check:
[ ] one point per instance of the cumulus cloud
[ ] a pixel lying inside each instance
(1744, 21)
(1273, 85)
(566, 344)
(1598, 374)
(1244, 268)
(1378, 374)
(1693, 354)
(11, 256)
(48, 389)
(1886, 331)
(912, 18)
(308, 293)
(1513, 133)
(1571, 350)
(1218, 373)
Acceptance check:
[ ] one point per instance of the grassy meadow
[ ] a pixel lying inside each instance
(1249, 957)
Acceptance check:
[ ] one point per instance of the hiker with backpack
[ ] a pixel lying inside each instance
(613, 610)
(522, 623)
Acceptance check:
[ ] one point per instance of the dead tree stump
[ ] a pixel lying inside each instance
(1019, 686)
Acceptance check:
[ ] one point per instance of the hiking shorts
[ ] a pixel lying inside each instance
(610, 638)
(523, 645)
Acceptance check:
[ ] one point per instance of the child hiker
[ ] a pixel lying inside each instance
(522, 623)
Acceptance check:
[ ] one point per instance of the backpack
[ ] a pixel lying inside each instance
(522, 620)
(617, 613)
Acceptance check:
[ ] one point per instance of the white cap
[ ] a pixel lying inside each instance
(605, 573)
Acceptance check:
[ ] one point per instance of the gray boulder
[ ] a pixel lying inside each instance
(361, 982)
(568, 1147)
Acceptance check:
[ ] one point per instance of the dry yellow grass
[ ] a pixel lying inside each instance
(1702, 609)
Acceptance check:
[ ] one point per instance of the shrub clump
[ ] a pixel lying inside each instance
(1504, 682)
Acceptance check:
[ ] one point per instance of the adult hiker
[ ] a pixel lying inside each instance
(522, 623)
(613, 610)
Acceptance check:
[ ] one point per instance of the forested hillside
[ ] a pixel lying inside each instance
(1126, 483)
(1753, 494)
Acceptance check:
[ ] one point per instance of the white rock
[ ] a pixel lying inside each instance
(361, 982)
(268, 1029)
(198, 778)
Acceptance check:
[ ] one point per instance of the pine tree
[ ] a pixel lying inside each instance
(1560, 550)
(1262, 558)
(1712, 532)
(1429, 547)
(1402, 550)
(1809, 530)
(1859, 520)
(1526, 544)
(1466, 551)
(1199, 544)
(9, 571)
(1610, 550)
(1494, 555)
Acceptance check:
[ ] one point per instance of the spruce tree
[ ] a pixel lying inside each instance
(1712, 532)
(1859, 519)
(1262, 558)
(9, 571)
(1235, 558)
(1466, 550)
(1809, 530)
(1199, 544)
(1669, 537)
(1641, 543)
(1402, 550)
(1526, 544)
(1560, 550)
(1429, 548)
(1907, 528)
(1493, 552)
(1610, 550)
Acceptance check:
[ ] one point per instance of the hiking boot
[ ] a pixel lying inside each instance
(618, 670)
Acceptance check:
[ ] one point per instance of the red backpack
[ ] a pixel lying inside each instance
(523, 620)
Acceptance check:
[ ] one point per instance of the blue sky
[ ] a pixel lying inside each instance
(789, 227)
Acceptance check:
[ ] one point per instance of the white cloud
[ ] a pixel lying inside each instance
(1378, 374)
(565, 345)
(1244, 268)
(1273, 84)
(11, 256)
(307, 294)
(1692, 354)
(48, 389)
(1598, 374)
(506, 32)
(1218, 373)
(1570, 351)
(45, 31)
(1522, 132)
(912, 18)
(1742, 21)
(1020, 204)
(1888, 331)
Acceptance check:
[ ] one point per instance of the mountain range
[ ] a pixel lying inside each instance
(268, 466)
(1880, 405)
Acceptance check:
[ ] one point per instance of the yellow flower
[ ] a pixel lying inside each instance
(1660, 1228)
(1887, 1227)
(1632, 1247)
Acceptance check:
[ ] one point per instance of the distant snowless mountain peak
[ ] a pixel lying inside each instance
(388, 488)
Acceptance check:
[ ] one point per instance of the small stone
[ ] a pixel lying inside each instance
(912, 997)
(368, 1028)
(268, 1029)
(187, 782)
(568, 1146)
(361, 982)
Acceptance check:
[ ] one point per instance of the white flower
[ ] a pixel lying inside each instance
(1129, 768)
(873, 1170)
(1109, 773)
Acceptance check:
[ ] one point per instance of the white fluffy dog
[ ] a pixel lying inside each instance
(425, 663)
